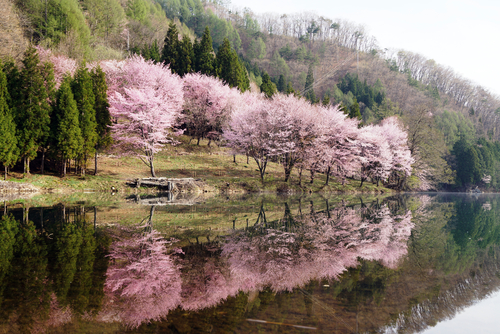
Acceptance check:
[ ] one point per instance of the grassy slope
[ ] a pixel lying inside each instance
(214, 165)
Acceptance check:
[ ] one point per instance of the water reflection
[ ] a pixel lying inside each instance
(398, 264)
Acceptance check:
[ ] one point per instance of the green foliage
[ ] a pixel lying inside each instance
(257, 49)
(455, 126)
(52, 20)
(101, 107)
(32, 108)
(185, 55)
(8, 140)
(309, 87)
(267, 87)
(170, 50)
(468, 167)
(229, 68)
(204, 54)
(83, 92)
(105, 17)
(68, 137)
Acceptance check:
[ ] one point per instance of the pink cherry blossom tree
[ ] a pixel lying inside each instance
(207, 105)
(261, 128)
(62, 65)
(374, 155)
(397, 138)
(146, 100)
(336, 150)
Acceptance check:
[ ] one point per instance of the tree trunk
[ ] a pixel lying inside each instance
(153, 174)
(300, 177)
(64, 168)
(312, 176)
(5, 174)
(43, 160)
(234, 158)
(95, 162)
(327, 176)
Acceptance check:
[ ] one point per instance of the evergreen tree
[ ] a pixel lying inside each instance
(229, 68)
(281, 86)
(154, 52)
(169, 53)
(309, 91)
(354, 110)
(204, 55)
(33, 109)
(8, 140)
(290, 89)
(326, 100)
(101, 107)
(68, 136)
(267, 87)
(185, 56)
(82, 88)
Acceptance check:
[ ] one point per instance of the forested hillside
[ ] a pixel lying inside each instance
(452, 123)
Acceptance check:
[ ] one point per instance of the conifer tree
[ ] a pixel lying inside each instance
(281, 86)
(169, 53)
(102, 115)
(267, 87)
(185, 56)
(82, 88)
(154, 52)
(229, 68)
(309, 91)
(33, 109)
(68, 137)
(354, 110)
(204, 54)
(326, 100)
(8, 140)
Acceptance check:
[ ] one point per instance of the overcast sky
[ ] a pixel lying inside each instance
(462, 34)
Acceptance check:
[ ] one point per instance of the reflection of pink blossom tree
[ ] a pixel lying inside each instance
(146, 99)
(144, 282)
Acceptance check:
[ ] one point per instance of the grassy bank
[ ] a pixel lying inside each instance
(214, 165)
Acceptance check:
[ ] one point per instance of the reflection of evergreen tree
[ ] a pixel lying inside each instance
(26, 294)
(79, 292)
(8, 231)
(68, 239)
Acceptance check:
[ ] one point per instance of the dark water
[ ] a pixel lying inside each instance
(401, 264)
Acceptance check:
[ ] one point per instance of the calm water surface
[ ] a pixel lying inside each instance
(254, 264)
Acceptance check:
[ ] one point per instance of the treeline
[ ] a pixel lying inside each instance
(65, 123)
(184, 56)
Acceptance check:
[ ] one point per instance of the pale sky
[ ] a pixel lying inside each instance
(461, 34)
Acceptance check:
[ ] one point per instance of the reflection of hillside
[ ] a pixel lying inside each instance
(466, 290)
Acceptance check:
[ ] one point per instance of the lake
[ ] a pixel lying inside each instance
(104, 263)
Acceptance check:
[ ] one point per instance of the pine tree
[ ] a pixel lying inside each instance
(8, 140)
(326, 100)
(68, 138)
(229, 68)
(309, 85)
(33, 109)
(82, 88)
(154, 52)
(281, 86)
(354, 110)
(290, 89)
(204, 54)
(102, 115)
(169, 53)
(267, 87)
(185, 56)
